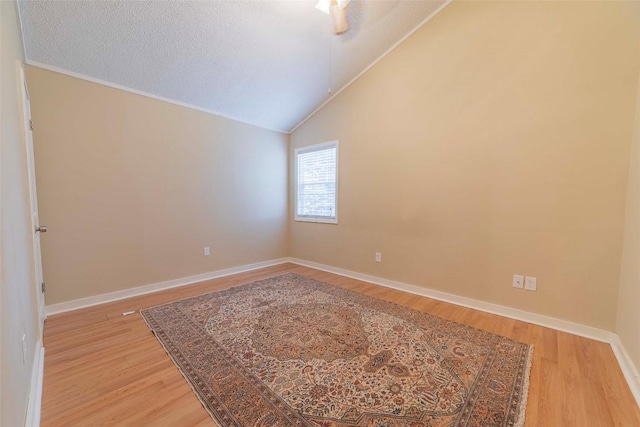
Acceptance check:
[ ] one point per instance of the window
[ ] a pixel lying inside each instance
(316, 183)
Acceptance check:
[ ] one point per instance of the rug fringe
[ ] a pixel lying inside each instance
(525, 390)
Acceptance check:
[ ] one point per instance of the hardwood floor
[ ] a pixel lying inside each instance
(105, 369)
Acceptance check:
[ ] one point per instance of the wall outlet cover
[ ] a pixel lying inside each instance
(530, 283)
(518, 281)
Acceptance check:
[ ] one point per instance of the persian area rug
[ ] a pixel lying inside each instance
(292, 351)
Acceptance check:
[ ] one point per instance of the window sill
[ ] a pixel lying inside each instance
(317, 220)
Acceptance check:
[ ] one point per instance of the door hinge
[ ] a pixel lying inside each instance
(30, 124)
(43, 287)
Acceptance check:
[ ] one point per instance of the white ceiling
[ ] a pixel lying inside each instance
(268, 63)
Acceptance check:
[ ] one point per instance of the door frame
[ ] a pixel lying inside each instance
(25, 113)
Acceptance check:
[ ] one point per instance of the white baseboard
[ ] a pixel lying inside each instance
(629, 370)
(35, 394)
(627, 366)
(513, 313)
(155, 287)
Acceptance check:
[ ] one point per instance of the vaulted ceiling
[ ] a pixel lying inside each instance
(268, 63)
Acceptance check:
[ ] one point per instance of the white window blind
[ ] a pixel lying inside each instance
(316, 182)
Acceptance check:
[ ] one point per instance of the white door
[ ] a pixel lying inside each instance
(33, 197)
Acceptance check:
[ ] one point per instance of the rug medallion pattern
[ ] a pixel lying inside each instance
(293, 351)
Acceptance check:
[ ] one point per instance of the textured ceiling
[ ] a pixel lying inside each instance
(269, 63)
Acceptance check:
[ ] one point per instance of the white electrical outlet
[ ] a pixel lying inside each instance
(24, 348)
(530, 283)
(206, 251)
(518, 281)
(378, 257)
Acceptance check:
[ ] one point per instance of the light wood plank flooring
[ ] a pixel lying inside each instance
(103, 369)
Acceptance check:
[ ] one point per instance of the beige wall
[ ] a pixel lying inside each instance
(132, 189)
(628, 326)
(493, 141)
(18, 307)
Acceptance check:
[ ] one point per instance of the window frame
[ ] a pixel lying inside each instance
(307, 149)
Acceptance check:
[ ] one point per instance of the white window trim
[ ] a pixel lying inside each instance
(305, 149)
